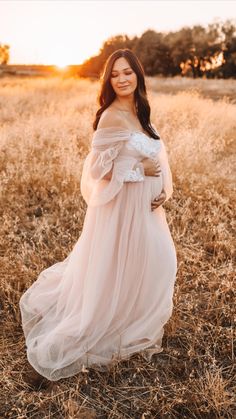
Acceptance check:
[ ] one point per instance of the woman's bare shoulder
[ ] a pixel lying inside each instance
(111, 118)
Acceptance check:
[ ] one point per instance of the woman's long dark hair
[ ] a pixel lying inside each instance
(107, 95)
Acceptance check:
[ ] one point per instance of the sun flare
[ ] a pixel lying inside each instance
(62, 66)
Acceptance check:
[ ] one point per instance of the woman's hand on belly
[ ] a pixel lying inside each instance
(151, 167)
(159, 200)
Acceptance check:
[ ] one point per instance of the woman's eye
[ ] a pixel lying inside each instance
(115, 75)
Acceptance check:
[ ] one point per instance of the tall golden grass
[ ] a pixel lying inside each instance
(45, 130)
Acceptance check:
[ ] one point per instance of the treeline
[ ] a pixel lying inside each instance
(191, 51)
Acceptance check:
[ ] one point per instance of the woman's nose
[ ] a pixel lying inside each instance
(121, 78)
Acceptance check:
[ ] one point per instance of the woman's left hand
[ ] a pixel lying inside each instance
(158, 201)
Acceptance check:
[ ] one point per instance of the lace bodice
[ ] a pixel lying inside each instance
(147, 147)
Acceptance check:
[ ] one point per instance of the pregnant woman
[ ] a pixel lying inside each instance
(112, 295)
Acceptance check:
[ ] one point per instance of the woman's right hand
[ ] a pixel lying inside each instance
(151, 167)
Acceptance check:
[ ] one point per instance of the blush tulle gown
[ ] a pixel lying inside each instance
(112, 294)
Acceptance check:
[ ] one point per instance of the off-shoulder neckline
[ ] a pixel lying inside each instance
(126, 130)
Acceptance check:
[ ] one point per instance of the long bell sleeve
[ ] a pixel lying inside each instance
(105, 156)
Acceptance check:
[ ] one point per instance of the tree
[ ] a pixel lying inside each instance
(4, 54)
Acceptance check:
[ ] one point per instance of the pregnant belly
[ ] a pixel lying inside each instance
(154, 185)
(136, 196)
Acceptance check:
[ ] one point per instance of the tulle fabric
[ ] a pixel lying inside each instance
(105, 154)
(112, 295)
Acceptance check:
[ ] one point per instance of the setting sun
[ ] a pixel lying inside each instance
(62, 66)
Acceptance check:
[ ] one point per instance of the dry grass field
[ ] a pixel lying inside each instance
(45, 131)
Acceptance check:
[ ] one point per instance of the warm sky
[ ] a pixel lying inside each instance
(68, 32)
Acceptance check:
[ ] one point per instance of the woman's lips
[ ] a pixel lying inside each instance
(123, 87)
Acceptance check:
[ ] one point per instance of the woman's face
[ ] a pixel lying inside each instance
(123, 78)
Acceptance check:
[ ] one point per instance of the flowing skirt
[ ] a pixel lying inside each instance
(112, 295)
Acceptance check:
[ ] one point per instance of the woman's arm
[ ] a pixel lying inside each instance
(109, 119)
(166, 172)
(150, 167)
(108, 175)
(165, 167)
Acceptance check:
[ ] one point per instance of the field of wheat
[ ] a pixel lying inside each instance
(45, 133)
